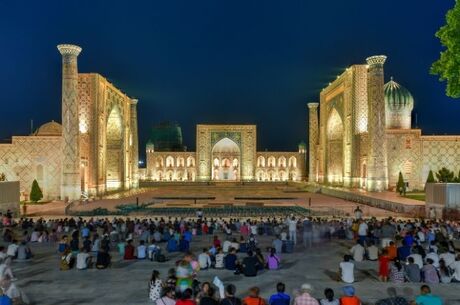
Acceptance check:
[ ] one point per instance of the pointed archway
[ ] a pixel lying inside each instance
(226, 156)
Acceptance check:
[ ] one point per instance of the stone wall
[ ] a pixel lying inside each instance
(9, 196)
(442, 200)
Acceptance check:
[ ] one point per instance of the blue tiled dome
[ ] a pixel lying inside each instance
(397, 98)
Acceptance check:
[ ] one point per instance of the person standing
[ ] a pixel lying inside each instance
(155, 286)
(292, 225)
(307, 233)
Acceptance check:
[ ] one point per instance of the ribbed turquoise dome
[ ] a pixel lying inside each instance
(397, 98)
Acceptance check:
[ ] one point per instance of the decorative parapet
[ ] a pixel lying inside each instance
(376, 60)
(69, 49)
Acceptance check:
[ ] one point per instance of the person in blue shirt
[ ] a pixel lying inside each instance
(280, 298)
(231, 260)
(404, 251)
(426, 298)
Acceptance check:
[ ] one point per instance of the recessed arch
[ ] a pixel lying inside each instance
(114, 150)
(225, 165)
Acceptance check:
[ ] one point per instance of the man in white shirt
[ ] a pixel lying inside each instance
(292, 224)
(434, 257)
(357, 251)
(372, 252)
(204, 260)
(10, 290)
(83, 259)
(347, 270)
(455, 266)
(226, 246)
(448, 257)
(235, 245)
(12, 250)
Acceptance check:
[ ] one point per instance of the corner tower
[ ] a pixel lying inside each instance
(70, 166)
(377, 172)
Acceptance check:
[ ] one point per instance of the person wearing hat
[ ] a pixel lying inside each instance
(304, 297)
(349, 297)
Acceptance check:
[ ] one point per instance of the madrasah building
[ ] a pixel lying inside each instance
(360, 134)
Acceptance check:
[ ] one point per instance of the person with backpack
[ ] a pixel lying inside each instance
(253, 298)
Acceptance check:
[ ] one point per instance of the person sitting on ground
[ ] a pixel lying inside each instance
(204, 259)
(426, 298)
(230, 298)
(83, 259)
(220, 256)
(208, 297)
(445, 275)
(349, 297)
(235, 244)
(216, 241)
(403, 251)
(186, 298)
(231, 260)
(412, 271)
(129, 250)
(304, 297)
(393, 298)
(155, 286)
(75, 243)
(430, 274)
(103, 259)
(153, 250)
(253, 298)
(5, 269)
(277, 243)
(260, 259)
(347, 270)
(396, 272)
(10, 290)
(141, 250)
(226, 246)
(250, 265)
(280, 297)
(329, 298)
(273, 260)
(24, 252)
(4, 299)
(87, 244)
(357, 251)
(372, 252)
(67, 260)
(12, 250)
(184, 274)
(3, 254)
(168, 297)
(384, 266)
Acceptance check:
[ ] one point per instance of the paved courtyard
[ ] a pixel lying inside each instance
(126, 282)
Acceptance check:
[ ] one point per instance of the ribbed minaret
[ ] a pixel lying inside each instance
(377, 169)
(312, 140)
(135, 145)
(70, 166)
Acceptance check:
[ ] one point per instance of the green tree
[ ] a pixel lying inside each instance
(401, 186)
(430, 178)
(2, 177)
(444, 175)
(448, 64)
(36, 193)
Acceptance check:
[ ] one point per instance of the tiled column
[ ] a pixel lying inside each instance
(377, 170)
(312, 140)
(70, 165)
(134, 145)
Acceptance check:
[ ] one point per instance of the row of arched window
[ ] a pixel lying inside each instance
(175, 162)
(273, 162)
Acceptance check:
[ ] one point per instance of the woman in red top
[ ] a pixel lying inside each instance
(129, 251)
(384, 266)
(216, 241)
(186, 298)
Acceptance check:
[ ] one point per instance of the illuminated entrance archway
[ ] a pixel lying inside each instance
(334, 147)
(114, 151)
(225, 161)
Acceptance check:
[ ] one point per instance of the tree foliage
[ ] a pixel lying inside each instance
(36, 193)
(448, 64)
(444, 175)
(401, 186)
(2, 177)
(430, 178)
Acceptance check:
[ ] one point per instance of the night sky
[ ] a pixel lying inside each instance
(219, 61)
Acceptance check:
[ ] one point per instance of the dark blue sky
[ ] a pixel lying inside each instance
(219, 61)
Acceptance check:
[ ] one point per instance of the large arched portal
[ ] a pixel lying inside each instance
(334, 147)
(226, 161)
(114, 151)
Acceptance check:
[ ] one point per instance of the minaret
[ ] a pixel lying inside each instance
(135, 144)
(312, 140)
(377, 169)
(70, 166)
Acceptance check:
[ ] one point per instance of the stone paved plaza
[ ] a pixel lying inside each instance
(126, 282)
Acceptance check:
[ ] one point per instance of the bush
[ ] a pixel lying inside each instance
(444, 175)
(36, 193)
(430, 178)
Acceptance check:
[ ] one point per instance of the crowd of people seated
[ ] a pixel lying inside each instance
(402, 250)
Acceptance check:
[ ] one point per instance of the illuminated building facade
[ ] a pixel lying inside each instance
(95, 150)
(362, 136)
